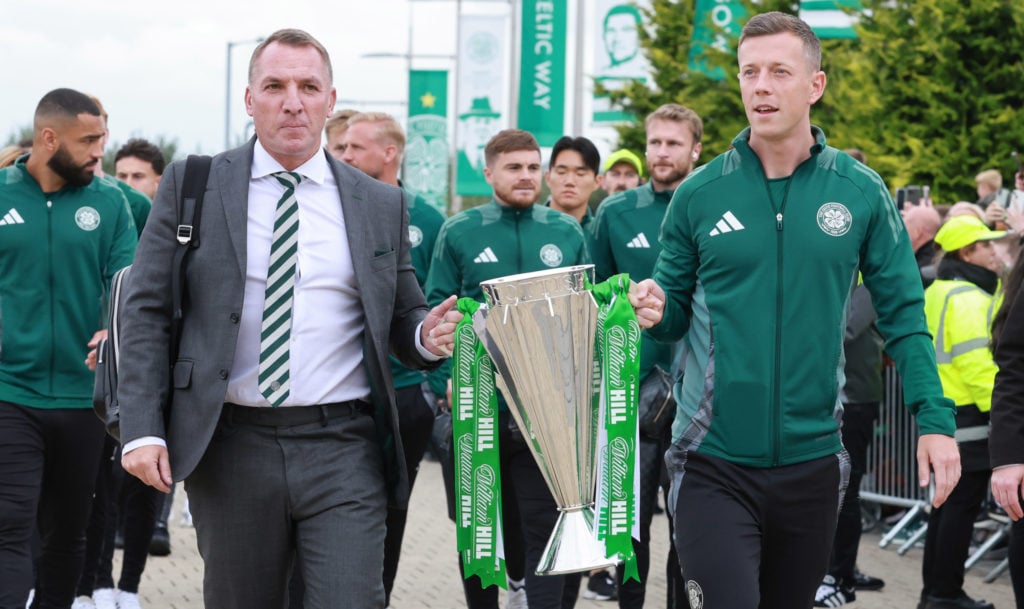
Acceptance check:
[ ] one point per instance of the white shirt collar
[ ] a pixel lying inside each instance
(315, 169)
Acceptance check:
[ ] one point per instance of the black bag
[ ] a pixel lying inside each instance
(104, 397)
(656, 406)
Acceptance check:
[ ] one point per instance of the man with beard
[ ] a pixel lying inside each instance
(626, 241)
(63, 234)
(506, 236)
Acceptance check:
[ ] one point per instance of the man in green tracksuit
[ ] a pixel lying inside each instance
(506, 236)
(625, 240)
(761, 252)
(374, 143)
(63, 234)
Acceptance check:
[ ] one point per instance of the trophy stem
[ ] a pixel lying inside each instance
(572, 546)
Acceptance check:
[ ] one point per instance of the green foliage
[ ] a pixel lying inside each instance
(948, 81)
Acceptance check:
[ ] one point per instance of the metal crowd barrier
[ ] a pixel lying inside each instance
(891, 476)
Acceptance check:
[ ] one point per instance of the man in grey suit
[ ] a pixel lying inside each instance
(282, 417)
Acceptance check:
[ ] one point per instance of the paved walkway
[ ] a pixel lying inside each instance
(428, 577)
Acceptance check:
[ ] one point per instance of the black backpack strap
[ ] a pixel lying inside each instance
(190, 208)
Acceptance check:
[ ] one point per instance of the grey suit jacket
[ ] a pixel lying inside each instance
(377, 225)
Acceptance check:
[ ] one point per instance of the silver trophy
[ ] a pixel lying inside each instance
(539, 331)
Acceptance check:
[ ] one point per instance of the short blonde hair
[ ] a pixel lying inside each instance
(388, 129)
(991, 178)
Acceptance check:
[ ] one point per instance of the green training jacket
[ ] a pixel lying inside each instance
(494, 240)
(58, 252)
(758, 274)
(625, 240)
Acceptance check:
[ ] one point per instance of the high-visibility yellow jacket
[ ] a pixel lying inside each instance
(960, 319)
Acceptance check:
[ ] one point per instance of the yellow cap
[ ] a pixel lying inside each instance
(961, 231)
(625, 156)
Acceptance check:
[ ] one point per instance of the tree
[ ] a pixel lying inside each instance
(21, 134)
(945, 78)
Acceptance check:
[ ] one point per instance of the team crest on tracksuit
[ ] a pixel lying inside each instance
(551, 255)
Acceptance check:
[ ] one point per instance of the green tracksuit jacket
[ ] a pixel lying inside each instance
(625, 240)
(757, 274)
(58, 252)
(494, 241)
(424, 224)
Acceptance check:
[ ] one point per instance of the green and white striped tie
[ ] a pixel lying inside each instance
(275, 335)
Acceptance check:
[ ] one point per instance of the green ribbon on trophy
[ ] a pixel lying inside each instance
(618, 476)
(475, 441)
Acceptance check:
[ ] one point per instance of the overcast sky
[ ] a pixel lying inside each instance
(160, 68)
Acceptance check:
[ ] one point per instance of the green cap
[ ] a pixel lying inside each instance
(961, 231)
(625, 156)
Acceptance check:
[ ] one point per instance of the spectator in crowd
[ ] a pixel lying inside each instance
(958, 308)
(625, 240)
(989, 183)
(758, 467)
(922, 222)
(282, 416)
(519, 237)
(50, 440)
(622, 171)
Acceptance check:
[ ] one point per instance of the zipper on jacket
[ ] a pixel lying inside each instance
(777, 390)
(49, 274)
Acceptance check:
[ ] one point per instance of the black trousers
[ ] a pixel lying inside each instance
(120, 497)
(949, 536)
(415, 424)
(858, 429)
(478, 597)
(48, 462)
(1016, 556)
(652, 457)
(756, 538)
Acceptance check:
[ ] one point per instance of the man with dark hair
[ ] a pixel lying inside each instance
(626, 241)
(761, 249)
(280, 408)
(140, 164)
(572, 177)
(506, 236)
(63, 234)
(375, 143)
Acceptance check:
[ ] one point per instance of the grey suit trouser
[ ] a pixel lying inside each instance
(264, 492)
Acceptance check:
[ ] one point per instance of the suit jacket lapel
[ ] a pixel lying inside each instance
(354, 210)
(233, 187)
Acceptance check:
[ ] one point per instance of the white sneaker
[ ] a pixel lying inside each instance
(516, 597)
(104, 598)
(186, 515)
(127, 600)
(31, 597)
(83, 602)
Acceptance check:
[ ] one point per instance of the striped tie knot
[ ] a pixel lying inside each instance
(275, 334)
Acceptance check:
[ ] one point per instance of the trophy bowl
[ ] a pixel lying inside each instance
(539, 330)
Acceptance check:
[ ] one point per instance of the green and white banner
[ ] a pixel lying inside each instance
(828, 18)
(426, 147)
(618, 57)
(716, 28)
(542, 69)
(482, 101)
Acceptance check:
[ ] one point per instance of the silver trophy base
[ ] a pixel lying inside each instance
(572, 547)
